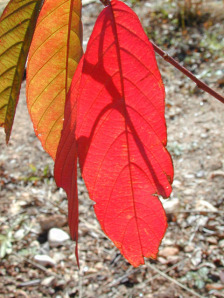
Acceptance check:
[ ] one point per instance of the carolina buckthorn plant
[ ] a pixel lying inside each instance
(104, 107)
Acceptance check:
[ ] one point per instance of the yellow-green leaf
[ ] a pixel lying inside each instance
(54, 55)
(17, 25)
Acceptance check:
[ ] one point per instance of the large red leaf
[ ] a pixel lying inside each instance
(121, 134)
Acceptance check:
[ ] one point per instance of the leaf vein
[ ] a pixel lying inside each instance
(45, 64)
(31, 107)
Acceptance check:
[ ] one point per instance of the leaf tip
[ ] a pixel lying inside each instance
(77, 254)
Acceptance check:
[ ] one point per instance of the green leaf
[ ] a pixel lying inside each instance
(17, 24)
(3, 250)
(2, 237)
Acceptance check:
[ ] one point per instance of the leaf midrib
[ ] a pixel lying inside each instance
(8, 123)
(117, 44)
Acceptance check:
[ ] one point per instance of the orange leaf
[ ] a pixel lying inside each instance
(54, 54)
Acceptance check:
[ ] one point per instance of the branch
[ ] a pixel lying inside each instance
(199, 83)
(105, 2)
(174, 281)
(185, 71)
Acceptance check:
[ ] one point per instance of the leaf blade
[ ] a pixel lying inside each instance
(54, 54)
(65, 170)
(17, 25)
(121, 134)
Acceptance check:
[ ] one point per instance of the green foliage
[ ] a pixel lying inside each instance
(214, 43)
(35, 175)
(199, 277)
(17, 25)
(189, 13)
(17, 231)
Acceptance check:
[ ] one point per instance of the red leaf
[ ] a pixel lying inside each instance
(65, 171)
(121, 133)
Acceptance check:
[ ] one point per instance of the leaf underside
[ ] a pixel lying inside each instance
(65, 171)
(17, 25)
(54, 55)
(120, 132)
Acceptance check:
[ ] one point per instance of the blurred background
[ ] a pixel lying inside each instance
(37, 255)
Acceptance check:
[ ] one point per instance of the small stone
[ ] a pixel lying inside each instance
(202, 221)
(212, 240)
(215, 286)
(57, 237)
(44, 260)
(189, 248)
(59, 256)
(204, 205)
(162, 260)
(221, 243)
(35, 244)
(204, 135)
(168, 242)
(215, 165)
(168, 251)
(189, 176)
(191, 219)
(99, 266)
(221, 81)
(171, 205)
(19, 234)
(21, 294)
(200, 174)
(212, 249)
(188, 191)
(221, 274)
(60, 283)
(217, 173)
(173, 259)
(48, 281)
(197, 258)
(53, 221)
(176, 183)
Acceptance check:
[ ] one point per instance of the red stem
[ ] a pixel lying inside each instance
(199, 83)
(105, 2)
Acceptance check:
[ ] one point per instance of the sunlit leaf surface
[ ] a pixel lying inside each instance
(17, 24)
(54, 54)
(120, 132)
